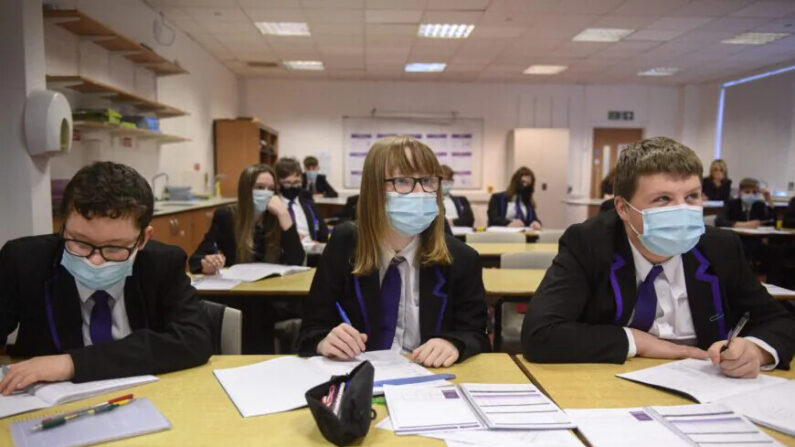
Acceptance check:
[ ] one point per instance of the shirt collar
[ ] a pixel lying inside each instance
(643, 266)
(115, 291)
(409, 252)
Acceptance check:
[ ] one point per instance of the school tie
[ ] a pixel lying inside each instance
(519, 213)
(290, 209)
(312, 188)
(390, 303)
(646, 306)
(101, 321)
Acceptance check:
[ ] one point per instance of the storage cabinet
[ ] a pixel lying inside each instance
(239, 143)
(185, 229)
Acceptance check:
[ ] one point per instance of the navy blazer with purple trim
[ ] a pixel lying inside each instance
(588, 296)
(452, 298)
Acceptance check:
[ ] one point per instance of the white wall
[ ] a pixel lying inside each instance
(308, 115)
(210, 91)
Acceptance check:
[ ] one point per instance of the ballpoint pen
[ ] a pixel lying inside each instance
(736, 331)
(103, 407)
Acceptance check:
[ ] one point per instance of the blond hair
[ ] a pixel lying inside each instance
(720, 164)
(407, 155)
(246, 218)
(652, 156)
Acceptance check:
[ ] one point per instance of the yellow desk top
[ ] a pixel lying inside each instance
(201, 413)
(296, 284)
(512, 282)
(596, 386)
(498, 249)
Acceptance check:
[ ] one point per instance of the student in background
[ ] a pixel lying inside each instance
(607, 184)
(258, 228)
(515, 207)
(753, 208)
(457, 210)
(649, 280)
(393, 280)
(789, 215)
(311, 227)
(717, 186)
(99, 299)
(313, 181)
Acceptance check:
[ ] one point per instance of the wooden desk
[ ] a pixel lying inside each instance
(596, 386)
(490, 252)
(201, 413)
(762, 232)
(512, 282)
(296, 285)
(329, 206)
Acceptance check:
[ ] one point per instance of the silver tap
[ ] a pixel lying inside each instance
(157, 176)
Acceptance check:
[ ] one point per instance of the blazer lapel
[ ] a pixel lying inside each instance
(66, 311)
(136, 314)
(367, 291)
(704, 298)
(311, 219)
(622, 278)
(433, 301)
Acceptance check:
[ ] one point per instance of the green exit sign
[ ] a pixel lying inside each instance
(621, 115)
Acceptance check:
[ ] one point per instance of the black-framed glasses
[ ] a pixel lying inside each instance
(405, 185)
(112, 253)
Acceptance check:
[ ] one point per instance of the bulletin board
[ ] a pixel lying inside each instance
(456, 142)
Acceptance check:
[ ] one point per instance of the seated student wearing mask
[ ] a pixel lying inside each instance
(311, 227)
(258, 228)
(457, 210)
(753, 208)
(99, 299)
(647, 279)
(718, 185)
(393, 280)
(313, 181)
(515, 206)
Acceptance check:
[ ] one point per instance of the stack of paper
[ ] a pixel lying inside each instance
(460, 231)
(214, 282)
(258, 270)
(710, 424)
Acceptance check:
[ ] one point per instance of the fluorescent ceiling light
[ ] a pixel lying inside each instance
(425, 67)
(602, 34)
(659, 71)
(445, 30)
(755, 38)
(544, 69)
(283, 28)
(304, 65)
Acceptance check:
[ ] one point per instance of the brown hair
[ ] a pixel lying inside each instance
(286, 167)
(310, 162)
(107, 189)
(386, 155)
(749, 183)
(720, 164)
(246, 218)
(652, 156)
(447, 172)
(516, 181)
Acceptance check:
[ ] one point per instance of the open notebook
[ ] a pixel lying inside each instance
(232, 276)
(49, 394)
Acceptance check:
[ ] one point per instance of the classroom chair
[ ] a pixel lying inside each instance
(499, 238)
(226, 327)
(550, 236)
(511, 314)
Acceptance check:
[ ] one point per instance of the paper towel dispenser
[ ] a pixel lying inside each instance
(48, 123)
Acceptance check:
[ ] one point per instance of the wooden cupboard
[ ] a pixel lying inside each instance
(239, 143)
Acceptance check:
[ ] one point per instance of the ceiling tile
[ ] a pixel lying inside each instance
(390, 30)
(458, 5)
(276, 4)
(579, 49)
(624, 22)
(334, 15)
(332, 4)
(207, 16)
(323, 30)
(678, 23)
(455, 17)
(648, 7)
(710, 8)
(412, 16)
(396, 4)
(655, 35)
(344, 62)
(496, 32)
(275, 15)
(735, 25)
(771, 9)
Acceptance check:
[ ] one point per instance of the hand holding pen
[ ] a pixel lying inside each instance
(737, 356)
(344, 342)
(213, 263)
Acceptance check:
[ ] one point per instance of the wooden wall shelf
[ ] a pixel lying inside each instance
(86, 27)
(117, 130)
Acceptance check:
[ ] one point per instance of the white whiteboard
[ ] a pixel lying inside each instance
(457, 143)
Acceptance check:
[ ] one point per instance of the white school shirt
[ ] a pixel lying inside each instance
(673, 320)
(510, 210)
(407, 329)
(301, 224)
(118, 312)
(450, 210)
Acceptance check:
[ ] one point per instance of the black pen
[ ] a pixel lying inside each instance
(736, 331)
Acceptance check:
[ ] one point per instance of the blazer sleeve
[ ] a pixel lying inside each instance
(322, 228)
(465, 217)
(727, 217)
(495, 213)
(328, 190)
(468, 299)
(770, 320)
(183, 343)
(221, 224)
(9, 291)
(292, 249)
(535, 214)
(789, 214)
(552, 332)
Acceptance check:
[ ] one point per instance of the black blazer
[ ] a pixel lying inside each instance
(170, 330)
(789, 214)
(452, 298)
(588, 295)
(498, 205)
(317, 226)
(733, 213)
(722, 192)
(222, 233)
(465, 216)
(322, 185)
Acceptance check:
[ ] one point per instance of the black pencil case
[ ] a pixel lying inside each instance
(355, 411)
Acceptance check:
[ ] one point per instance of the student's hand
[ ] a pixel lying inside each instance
(278, 208)
(48, 368)
(344, 342)
(743, 358)
(435, 353)
(748, 224)
(648, 345)
(766, 192)
(516, 223)
(212, 263)
(535, 225)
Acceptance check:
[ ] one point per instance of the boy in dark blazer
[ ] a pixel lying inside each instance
(313, 181)
(99, 300)
(754, 207)
(310, 225)
(647, 279)
(458, 211)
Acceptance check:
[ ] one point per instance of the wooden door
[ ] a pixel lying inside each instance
(237, 145)
(606, 147)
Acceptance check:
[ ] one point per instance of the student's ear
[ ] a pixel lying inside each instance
(621, 208)
(148, 233)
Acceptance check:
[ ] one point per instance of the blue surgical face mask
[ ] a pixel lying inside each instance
(96, 277)
(311, 176)
(670, 230)
(446, 188)
(261, 198)
(412, 213)
(749, 199)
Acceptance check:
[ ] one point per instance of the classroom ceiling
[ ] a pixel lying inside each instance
(375, 39)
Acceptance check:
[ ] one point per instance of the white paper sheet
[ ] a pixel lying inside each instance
(460, 231)
(386, 363)
(255, 271)
(423, 409)
(773, 407)
(710, 424)
(505, 229)
(214, 282)
(515, 406)
(623, 427)
(779, 291)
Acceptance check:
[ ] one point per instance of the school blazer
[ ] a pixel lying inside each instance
(789, 214)
(733, 213)
(465, 216)
(498, 205)
(317, 226)
(348, 212)
(222, 233)
(588, 295)
(452, 298)
(322, 185)
(170, 331)
(722, 192)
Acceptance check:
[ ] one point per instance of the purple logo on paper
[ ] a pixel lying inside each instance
(382, 135)
(463, 172)
(441, 154)
(436, 135)
(450, 394)
(462, 135)
(640, 415)
(361, 135)
(461, 154)
(358, 154)
(356, 172)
